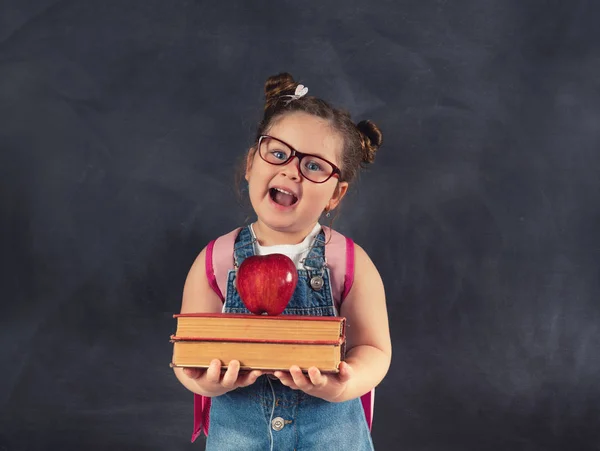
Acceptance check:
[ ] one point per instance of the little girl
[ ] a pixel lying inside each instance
(305, 155)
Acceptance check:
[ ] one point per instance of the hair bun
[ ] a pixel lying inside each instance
(276, 86)
(371, 139)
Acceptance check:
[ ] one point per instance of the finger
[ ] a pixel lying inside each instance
(286, 379)
(300, 379)
(250, 378)
(316, 377)
(192, 373)
(231, 374)
(213, 373)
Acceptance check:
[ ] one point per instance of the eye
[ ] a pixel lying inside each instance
(313, 166)
(279, 154)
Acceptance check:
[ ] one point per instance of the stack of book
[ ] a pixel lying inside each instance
(259, 341)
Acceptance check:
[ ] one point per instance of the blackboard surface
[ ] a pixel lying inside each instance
(121, 125)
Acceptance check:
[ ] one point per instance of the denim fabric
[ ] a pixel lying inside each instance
(242, 419)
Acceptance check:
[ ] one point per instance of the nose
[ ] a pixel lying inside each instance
(292, 169)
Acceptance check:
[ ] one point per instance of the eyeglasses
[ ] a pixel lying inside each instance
(312, 167)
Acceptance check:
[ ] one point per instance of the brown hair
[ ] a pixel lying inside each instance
(361, 140)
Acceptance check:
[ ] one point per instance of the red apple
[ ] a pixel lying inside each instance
(266, 283)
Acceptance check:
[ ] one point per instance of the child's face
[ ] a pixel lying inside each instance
(308, 134)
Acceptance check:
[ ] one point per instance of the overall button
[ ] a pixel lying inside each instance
(316, 283)
(277, 423)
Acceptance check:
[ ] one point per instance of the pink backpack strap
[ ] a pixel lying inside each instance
(218, 262)
(349, 274)
(339, 252)
(368, 403)
(201, 416)
(210, 270)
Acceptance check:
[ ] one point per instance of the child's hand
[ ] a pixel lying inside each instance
(213, 383)
(329, 387)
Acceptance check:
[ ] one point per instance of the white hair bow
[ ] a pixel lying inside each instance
(300, 91)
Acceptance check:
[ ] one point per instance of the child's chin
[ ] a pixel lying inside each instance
(280, 224)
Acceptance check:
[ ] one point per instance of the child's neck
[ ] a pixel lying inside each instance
(270, 237)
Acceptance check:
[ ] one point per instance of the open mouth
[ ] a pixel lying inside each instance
(282, 197)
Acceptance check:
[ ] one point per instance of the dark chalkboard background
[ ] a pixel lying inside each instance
(121, 123)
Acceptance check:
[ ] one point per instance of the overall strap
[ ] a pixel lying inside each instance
(243, 245)
(315, 259)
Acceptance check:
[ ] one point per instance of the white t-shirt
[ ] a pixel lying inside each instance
(296, 252)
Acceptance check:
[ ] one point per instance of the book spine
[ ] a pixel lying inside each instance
(253, 317)
(175, 338)
(199, 356)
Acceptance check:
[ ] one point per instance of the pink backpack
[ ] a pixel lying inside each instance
(339, 252)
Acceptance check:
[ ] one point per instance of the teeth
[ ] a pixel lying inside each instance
(285, 192)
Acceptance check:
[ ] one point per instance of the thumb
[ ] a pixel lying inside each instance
(192, 373)
(346, 372)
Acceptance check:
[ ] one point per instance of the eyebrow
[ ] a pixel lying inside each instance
(307, 153)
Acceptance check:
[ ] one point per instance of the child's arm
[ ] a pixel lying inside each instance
(199, 297)
(368, 335)
(368, 341)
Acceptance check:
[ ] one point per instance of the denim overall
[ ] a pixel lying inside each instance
(267, 415)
